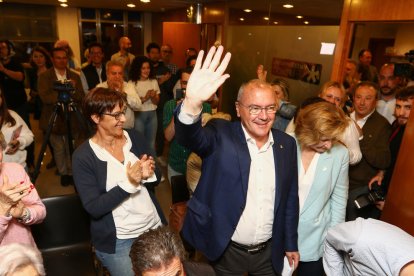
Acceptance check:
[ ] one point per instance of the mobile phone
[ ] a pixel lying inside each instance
(180, 93)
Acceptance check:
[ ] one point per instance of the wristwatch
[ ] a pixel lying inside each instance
(25, 217)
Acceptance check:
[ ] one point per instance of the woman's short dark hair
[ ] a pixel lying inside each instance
(135, 71)
(102, 100)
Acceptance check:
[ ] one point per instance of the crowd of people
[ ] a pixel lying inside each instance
(272, 189)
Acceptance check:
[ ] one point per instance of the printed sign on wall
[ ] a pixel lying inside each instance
(297, 70)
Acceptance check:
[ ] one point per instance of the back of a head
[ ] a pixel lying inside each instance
(15, 256)
(317, 121)
(156, 249)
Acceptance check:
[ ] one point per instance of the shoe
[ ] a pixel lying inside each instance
(161, 161)
(51, 164)
(66, 180)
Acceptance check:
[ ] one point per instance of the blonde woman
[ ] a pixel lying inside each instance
(323, 180)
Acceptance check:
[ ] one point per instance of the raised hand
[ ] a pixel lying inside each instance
(205, 79)
(261, 72)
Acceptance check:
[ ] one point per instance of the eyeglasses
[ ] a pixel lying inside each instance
(255, 110)
(116, 115)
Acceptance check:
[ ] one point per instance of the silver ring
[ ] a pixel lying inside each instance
(21, 192)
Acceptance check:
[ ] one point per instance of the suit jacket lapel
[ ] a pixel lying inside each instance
(243, 155)
(324, 164)
(278, 153)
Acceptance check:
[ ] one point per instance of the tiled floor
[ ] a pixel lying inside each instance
(48, 182)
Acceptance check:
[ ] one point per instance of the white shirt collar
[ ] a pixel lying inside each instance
(251, 140)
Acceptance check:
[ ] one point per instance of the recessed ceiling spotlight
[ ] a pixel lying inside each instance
(299, 38)
(306, 22)
(288, 6)
(64, 5)
(266, 18)
(247, 10)
(63, 1)
(241, 19)
(275, 22)
(130, 5)
(299, 16)
(145, 1)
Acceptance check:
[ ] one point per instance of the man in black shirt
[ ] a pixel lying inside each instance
(95, 72)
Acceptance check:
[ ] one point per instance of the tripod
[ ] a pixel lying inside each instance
(66, 106)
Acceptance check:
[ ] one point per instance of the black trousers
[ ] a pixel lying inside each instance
(237, 262)
(311, 268)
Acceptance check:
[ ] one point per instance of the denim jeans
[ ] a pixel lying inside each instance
(118, 264)
(146, 124)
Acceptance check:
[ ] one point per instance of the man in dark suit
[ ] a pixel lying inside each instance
(374, 147)
(49, 96)
(243, 215)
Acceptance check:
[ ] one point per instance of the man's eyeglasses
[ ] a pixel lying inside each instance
(116, 115)
(255, 109)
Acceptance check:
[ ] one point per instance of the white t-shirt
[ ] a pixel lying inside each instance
(141, 88)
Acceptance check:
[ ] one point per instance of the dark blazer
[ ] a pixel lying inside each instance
(92, 77)
(375, 151)
(219, 200)
(49, 98)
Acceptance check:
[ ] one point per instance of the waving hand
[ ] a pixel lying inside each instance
(205, 79)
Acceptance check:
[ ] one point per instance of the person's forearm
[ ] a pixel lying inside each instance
(16, 75)
(169, 131)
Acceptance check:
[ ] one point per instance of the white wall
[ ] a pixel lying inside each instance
(68, 28)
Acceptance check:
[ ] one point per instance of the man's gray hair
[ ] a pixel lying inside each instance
(111, 63)
(156, 249)
(255, 83)
(15, 256)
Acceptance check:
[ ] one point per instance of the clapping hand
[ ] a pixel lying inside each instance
(11, 194)
(140, 170)
(148, 166)
(205, 79)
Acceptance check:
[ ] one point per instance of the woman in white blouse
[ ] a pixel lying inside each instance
(15, 135)
(141, 76)
(323, 180)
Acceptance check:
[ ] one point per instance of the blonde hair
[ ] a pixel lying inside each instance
(335, 84)
(317, 121)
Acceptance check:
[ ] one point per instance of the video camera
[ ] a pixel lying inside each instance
(406, 69)
(65, 90)
(376, 194)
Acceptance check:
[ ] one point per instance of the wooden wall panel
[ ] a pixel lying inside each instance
(399, 206)
(381, 10)
(181, 36)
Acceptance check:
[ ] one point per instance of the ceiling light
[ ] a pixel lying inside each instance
(145, 1)
(63, 1)
(64, 5)
(266, 18)
(247, 10)
(306, 22)
(241, 19)
(299, 38)
(130, 5)
(275, 22)
(299, 16)
(288, 6)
